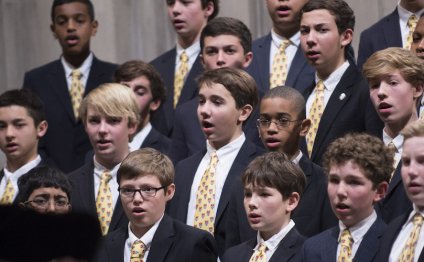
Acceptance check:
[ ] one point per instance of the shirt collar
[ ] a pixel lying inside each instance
(139, 138)
(22, 170)
(277, 39)
(359, 230)
(405, 14)
(228, 148)
(272, 242)
(296, 160)
(192, 51)
(84, 68)
(397, 141)
(334, 78)
(99, 169)
(146, 238)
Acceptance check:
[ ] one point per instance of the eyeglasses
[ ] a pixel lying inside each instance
(280, 123)
(43, 203)
(144, 192)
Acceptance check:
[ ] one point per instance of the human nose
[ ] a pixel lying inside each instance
(71, 25)
(220, 60)
(10, 132)
(103, 127)
(138, 197)
(341, 190)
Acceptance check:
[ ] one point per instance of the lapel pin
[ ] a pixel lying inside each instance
(342, 96)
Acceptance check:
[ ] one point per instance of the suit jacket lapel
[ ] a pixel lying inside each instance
(162, 240)
(151, 139)
(305, 165)
(118, 215)
(262, 61)
(391, 30)
(371, 242)
(190, 88)
(298, 63)
(59, 86)
(396, 179)
(116, 245)
(329, 250)
(285, 251)
(334, 106)
(95, 76)
(88, 196)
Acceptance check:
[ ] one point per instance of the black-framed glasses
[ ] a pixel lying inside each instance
(43, 203)
(280, 123)
(145, 192)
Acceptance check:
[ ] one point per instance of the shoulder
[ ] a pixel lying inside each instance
(107, 66)
(82, 171)
(41, 70)
(244, 249)
(317, 241)
(259, 42)
(380, 24)
(170, 53)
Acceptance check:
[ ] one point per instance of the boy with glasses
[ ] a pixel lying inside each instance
(145, 181)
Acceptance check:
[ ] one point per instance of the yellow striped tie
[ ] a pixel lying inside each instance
(412, 23)
(8, 194)
(204, 215)
(104, 203)
(179, 77)
(315, 114)
(279, 66)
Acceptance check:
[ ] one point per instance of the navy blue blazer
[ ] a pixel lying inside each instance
(396, 202)
(385, 33)
(83, 196)
(323, 247)
(188, 137)
(157, 141)
(348, 110)
(312, 216)
(300, 73)
(184, 175)
(288, 249)
(173, 241)
(65, 142)
(389, 237)
(163, 118)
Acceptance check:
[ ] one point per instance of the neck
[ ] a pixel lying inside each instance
(393, 129)
(76, 60)
(14, 164)
(286, 30)
(412, 7)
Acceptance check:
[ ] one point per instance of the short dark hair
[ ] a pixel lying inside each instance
(27, 99)
(227, 26)
(88, 3)
(239, 83)
(204, 4)
(42, 176)
(290, 94)
(147, 161)
(130, 70)
(343, 14)
(368, 152)
(276, 170)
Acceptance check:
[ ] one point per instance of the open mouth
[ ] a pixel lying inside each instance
(72, 40)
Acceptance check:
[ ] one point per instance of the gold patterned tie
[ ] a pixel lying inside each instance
(346, 242)
(137, 251)
(408, 251)
(315, 114)
(396, 157)
(179, 77)
(259, 255)
(8, 194)
(104, 204)
(279, 66)
(412, 23)
(204, 215)
(76, 92)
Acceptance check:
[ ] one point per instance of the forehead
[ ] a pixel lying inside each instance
(14, 112)
(317, 17)
(214, 89)
(347, 168)
(222, 40)
(138, 81)
(71, 9)
(273, 105)
(52, 191)
(146, 179)
(414, 144)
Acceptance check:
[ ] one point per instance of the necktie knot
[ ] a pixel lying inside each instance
(106, 177)
(418, 219)
(392, 147)
(184, 57)
(8, 194)
(320, 86)
(76, 74)
(284, 44)
(138, 249)
(412, 22)
(259, 255)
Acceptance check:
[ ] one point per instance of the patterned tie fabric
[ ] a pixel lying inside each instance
(315, 114)
(179, 77)
(279, 66)
(408, 251)
(396, 157)
(8, 194)
(137, 251)
(259, 255)
(204, 215)
(104, 202)
(346, 242)
(412, 23)
(76, 92)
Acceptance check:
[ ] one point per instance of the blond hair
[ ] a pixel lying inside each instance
(415, 128)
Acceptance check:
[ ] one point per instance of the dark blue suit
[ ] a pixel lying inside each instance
(389, 237)
(312, 216)
(83, 196)
(65, 142)
(157, 141)
(288, 249)
(385, 33)
(163, 118)
(348, 110)
(396, 202)
(184, 175)
(188, 138)
(300, 73)
(323, 247)
(173, 241)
